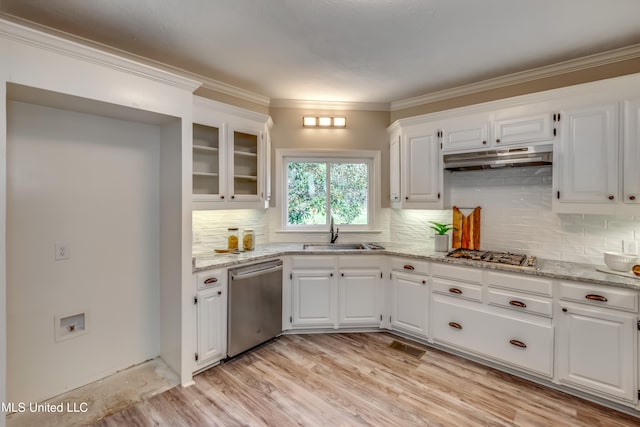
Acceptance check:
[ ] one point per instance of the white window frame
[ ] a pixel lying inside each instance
(283, 156)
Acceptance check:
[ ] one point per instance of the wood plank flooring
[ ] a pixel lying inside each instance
(358, 380)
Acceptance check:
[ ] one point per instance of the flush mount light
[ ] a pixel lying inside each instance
(324, 122)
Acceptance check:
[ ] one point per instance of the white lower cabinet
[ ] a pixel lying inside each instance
(331, 292)
(597, 351)
(359, 297)
(313, 298)
(522, 344)
(211, 309)
(409, 303)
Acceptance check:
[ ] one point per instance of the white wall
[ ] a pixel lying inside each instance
(92, 183)
(516, 216)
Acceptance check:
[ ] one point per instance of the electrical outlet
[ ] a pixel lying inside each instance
(62, 251)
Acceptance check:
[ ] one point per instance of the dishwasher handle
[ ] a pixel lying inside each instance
(254, 273)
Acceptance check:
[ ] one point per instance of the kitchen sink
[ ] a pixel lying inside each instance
(340, 246)
(335, 247)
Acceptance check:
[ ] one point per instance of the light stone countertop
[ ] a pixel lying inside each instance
(559, 270)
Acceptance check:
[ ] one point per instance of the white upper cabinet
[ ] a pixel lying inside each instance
(586, 160)
(395, 170)
(466, 132)
(631, 158)
(416, 168)
(229, 150)
(523, 130)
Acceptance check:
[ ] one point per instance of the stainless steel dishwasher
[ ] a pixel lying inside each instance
(255, 305)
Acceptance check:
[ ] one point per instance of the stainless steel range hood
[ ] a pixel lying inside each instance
(536, 155)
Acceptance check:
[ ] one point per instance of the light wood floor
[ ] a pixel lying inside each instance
(356, 379)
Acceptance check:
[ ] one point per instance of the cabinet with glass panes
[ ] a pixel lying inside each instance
(228, 156)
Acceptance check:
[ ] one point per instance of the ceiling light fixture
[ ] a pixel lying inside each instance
(324, 122)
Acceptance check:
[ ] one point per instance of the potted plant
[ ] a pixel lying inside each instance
(441, 237)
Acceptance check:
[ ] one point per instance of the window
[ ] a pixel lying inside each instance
(317, 187)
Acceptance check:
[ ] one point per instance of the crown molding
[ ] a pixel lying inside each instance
(63, 43)
(48, 38)
(329, 105)
(572, 65)
(227, 89)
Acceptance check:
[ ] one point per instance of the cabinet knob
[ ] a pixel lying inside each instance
(498, 141)
(484, 142)
(233, 197)
(222, 196)
(406, 197)
(632, 197)
(564, 310)
(342, 274)
(424, 282)
(611, 197)
(219, 292)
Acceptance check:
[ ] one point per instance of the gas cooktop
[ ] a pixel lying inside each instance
(506, 258)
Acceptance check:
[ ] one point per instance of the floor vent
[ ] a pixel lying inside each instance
(410, 350)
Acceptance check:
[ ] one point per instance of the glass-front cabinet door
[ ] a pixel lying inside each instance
(246, 167)
(208, 154)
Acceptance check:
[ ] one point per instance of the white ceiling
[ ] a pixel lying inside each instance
(346, 50)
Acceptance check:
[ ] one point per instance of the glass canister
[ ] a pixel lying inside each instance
(232, 238)
(248, 239)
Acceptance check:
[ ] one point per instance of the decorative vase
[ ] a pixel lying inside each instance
(441, 242)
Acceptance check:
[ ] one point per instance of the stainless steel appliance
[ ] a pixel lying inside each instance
(537, 155)
(254, 305)
(507, 258)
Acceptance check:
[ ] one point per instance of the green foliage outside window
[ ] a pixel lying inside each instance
(347, 187)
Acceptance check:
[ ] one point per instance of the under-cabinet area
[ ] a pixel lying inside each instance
(579, 336)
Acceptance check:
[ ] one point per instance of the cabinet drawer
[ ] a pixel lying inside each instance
(313, 262)
(211, 279)
(519, 343)
(521, 282)
(521, 303)
(602, 296)
(465, 274)
(410, 265)
(457, 289)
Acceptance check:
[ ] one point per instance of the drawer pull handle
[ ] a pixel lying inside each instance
(455, 291)
(518, 343)
(516, 303)
(409, 267)
(210, 280)
(455, 325)
(594, 297)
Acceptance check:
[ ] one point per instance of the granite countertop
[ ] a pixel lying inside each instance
(552, 269)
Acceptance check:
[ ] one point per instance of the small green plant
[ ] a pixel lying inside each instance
(441, 228)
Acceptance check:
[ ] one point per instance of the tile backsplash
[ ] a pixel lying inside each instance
(210, 227)
(516, 216)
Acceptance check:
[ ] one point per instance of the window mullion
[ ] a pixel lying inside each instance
(328, 193)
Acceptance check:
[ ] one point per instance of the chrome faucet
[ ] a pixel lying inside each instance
(334, 236)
